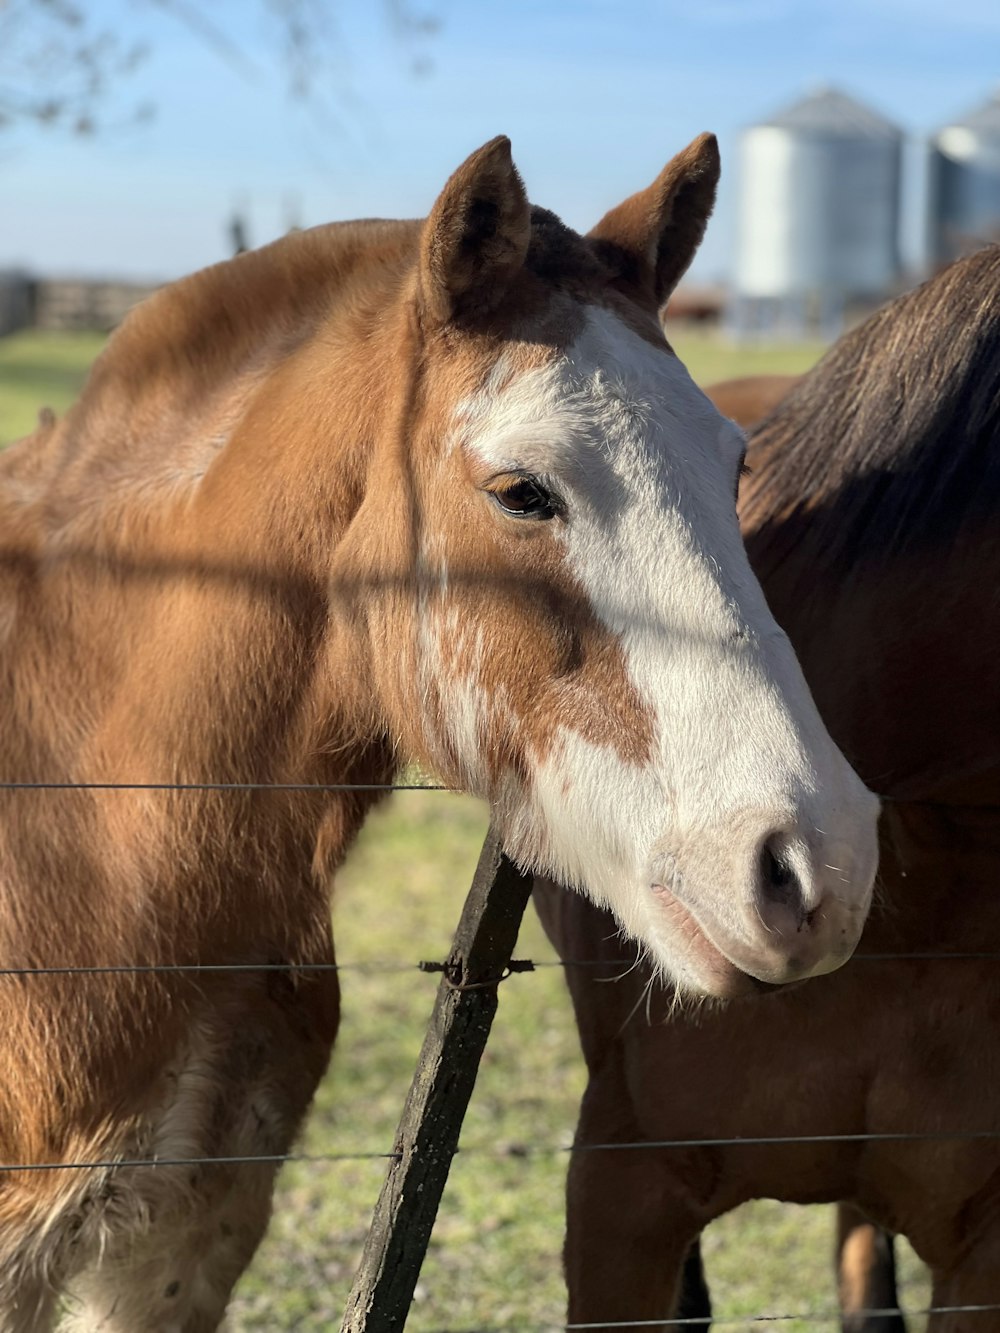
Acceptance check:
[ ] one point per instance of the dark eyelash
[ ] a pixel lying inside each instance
(527, 497)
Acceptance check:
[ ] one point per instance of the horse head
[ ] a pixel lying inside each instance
(558, 611)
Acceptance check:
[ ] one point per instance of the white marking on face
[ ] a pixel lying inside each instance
(647, 470)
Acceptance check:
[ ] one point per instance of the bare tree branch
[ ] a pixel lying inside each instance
(58, 68)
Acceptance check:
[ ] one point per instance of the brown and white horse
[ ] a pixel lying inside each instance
(381, 492)
(872, 516)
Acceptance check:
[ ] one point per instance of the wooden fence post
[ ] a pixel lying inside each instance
(431, 1123)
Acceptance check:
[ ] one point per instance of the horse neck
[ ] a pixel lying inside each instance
(937, 879)
(198, 590)
(293, 513)
(896, 651)
(272, 538)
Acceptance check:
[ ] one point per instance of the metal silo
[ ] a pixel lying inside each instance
(964, 183)
(818, 210)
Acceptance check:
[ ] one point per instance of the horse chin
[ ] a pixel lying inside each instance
(692, 959)
(702, 965)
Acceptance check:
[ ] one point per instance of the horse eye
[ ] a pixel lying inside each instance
(744, 471)
(526, 498)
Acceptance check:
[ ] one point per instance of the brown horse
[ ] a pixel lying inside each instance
(865, 1259)
(381, 492)
(750, 399)
(871, 517)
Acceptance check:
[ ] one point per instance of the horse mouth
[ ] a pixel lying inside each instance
(717, 973)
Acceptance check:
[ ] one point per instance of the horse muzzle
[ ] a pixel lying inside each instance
(794, 917)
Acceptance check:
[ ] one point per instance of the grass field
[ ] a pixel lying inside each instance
(710, 358)
(494, 1259)
(41, 370)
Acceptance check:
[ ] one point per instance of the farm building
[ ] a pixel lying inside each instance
(964, 183)
(818, 214)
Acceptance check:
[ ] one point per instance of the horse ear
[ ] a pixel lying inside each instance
(476, 237)
(652, 237)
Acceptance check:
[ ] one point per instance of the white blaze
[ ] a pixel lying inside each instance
(648, 471)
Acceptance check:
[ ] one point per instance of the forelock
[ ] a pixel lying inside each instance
(560, 256)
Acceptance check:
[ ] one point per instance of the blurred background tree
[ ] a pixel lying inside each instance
(61, 61)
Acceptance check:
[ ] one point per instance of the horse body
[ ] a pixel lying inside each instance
(749, 399)
(883, 1048)
(358, 499)
(869, 514)
(151, 638)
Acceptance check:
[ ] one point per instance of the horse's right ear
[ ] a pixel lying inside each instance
(476, 237)
(650, 239)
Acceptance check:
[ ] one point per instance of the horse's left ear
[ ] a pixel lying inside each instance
(476, 237)
(652, 237)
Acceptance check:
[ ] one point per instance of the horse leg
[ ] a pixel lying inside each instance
(627, 1231)
(694, 1301)
(866, 1274)
(165, 1246)
(177, 1277)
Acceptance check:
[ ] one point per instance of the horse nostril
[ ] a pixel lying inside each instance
(779, 881)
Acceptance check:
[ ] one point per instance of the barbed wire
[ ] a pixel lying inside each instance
(514, 1150)
(226, 786)
(703, 1321)
(168, 969)
(324, 787)
(378, 966)
(159, 1163)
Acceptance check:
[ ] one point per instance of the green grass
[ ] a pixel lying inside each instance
(494, 1257)
(710, 357)
(41, 370)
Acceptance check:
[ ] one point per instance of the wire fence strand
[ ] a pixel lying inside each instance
(521, 1150)
(667, 1322)
(291, 786)
(386, 966)
(225, 786)
(171, 969)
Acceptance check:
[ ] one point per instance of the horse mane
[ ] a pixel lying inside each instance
(191, 335)
(891, 444)
(215, 315)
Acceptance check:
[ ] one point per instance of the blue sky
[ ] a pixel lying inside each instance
(595, 94)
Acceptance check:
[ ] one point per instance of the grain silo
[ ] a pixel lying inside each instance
(964, 183)
(818, 212)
